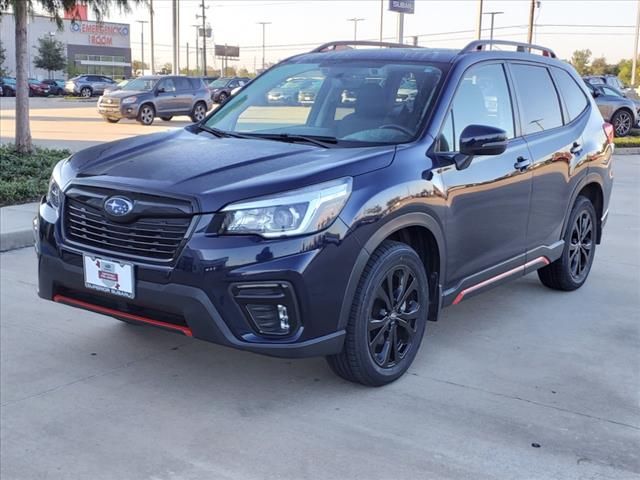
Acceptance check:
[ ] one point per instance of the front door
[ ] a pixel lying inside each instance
(488, 202)
(166, 100)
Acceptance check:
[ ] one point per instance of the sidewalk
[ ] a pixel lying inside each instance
(16, 229)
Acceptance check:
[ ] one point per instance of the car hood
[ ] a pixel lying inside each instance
(215, 171)
(123, 93)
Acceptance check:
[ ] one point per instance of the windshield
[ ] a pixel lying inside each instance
(219, 83)
(370, 102)
(141, 84)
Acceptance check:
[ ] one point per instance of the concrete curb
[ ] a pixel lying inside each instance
(627, 150)
(14, 240)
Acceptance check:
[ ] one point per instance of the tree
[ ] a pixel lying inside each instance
(166, 69)
(138, 65)
(599, 66)
(624, 71)
(21, 10)
(3, 72)
(580, 61)
(51, 55)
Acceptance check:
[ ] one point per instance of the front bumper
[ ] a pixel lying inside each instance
(118, 110)
(195, 294)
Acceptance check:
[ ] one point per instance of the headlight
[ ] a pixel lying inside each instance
(54, 194)
(296, 212)
(129, 100)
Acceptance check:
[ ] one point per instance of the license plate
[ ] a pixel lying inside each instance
(109, 276)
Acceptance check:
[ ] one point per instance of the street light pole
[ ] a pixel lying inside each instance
(355, 26)
(204, 38)
(264, 24)
(493, 14)
(153, 57)
(479, 19)
(197, 48)
(634, 62)
(142, 22)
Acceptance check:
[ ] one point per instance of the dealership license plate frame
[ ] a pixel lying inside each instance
(106, 275)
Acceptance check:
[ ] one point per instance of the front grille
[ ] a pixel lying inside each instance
(153, 238)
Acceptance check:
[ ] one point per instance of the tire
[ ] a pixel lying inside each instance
(112, 120)
(146, 114)
(377, 322)
(199, 112)
(571, 270)
(86, 92)
(222, 98)
(167, 119)
(622, 122)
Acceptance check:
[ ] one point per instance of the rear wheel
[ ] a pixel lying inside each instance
(387, 319)
(571, 270)
(622, 123)
(146, 115)
(85, 92)
(112, 120)
(222, 97)
(199, 112)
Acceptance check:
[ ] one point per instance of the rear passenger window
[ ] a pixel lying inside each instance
(572, 94)
(482, 98)
(182, 84)
(539, 103)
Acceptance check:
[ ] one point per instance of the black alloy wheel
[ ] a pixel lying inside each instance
(622, 123)
(581, 246)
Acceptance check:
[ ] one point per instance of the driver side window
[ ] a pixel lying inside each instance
(168, 85)
(482, 98)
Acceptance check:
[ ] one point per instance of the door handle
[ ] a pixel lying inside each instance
(522, 164)
(576, 149)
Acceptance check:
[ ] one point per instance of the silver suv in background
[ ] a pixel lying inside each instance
(164, 96)
(621, 112)
(88, 85)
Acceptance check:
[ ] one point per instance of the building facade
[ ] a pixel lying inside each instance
(91, 47)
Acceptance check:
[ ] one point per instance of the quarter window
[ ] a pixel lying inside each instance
(482, 98)
(574, 98)
(539, 105)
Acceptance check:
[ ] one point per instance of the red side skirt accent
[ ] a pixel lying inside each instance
(129, 316)
(506, 274)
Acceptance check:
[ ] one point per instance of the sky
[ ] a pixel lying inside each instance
(606, 27)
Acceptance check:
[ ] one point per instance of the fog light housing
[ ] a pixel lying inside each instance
(270, 308)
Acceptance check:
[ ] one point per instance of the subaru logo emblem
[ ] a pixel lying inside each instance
(118, 206)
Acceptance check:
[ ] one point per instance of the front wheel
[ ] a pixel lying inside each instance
(112, 120)
(222, 98)
(86, 92)
(146, 115)
(166, 119)
(571, 270)
(387, 319)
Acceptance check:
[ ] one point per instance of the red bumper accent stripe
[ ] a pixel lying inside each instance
(506, 274)
(129, 316)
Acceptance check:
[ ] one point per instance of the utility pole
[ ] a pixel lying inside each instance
(400, 27)
(153, 57)
(197, 49)
(174, 12)
(493, 14)
(532, 10)
(355, 26)
(634, 62)
(142, 22)
(381, 17)
(264, 24)
(204, 37)
(187, 58)
(479, 35)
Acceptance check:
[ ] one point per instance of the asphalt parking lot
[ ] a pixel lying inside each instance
(518, 383)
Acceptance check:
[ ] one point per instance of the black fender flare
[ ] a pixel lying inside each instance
(413, 219)
(590, 177)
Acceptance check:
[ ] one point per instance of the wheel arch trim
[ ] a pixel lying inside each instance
(413, 219)
(588, 179)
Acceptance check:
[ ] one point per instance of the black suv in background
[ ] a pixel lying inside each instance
(339, 229)
(144, 98)
(222, 87)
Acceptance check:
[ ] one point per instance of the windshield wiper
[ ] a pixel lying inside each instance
(318, 140)
(219, 133)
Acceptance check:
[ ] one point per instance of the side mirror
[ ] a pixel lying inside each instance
(160, 90)
(480, 140)
(595, 93)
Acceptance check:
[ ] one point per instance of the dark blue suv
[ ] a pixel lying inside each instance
(341, 226)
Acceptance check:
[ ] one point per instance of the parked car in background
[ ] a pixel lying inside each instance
(37, 88)
(621, 112)
(1, 91)
(339, 235)
(611, 80)
(56, 87)
(88, 85)
(288, 92)
(307, 95)
(222, 87)
(8, 86)
(164, 96)
(118, 86)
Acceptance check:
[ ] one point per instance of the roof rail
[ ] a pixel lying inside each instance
(479, 45)
(330, 46)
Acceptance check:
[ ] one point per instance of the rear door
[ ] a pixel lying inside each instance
(489, 200)
(554, 113)
(185, 95)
